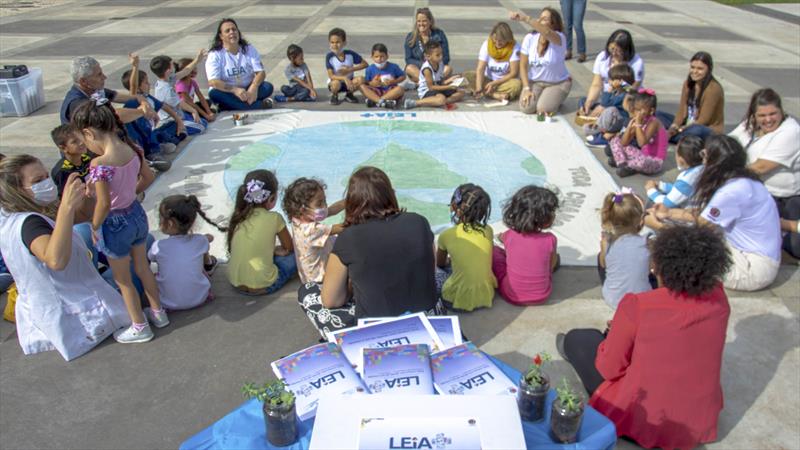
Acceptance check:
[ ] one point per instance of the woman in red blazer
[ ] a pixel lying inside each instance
(656, 371)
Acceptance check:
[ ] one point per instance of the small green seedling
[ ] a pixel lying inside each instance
(567, 397)
(273, 393)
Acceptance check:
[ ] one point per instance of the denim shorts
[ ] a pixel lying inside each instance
(122, 230)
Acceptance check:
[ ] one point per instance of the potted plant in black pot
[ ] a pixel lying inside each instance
(280, 417)
(566, 414)
(533, 388)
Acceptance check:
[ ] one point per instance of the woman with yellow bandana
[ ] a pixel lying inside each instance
(546, 82)
(498, 63)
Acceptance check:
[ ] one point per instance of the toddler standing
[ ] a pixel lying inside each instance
(643, 146)
(184, 265)
(119, 224)
(256, 266)
(624, 259)
(305, 205)
(470, 283)
(524, 270)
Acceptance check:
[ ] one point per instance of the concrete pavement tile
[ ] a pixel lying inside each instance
(628, 6)
(318, 44)
(656, 17)
(736, 52)
(478, 26)
(184, 11)
(115, 3)
(34, 130)
(146, 27)
(55, 72)
(648, 50)
(8, 42)
(187, 46)
(488, 13)
(435, 3)
(375, 11)
(36, 26)
(364, 25)
(592, 15)
(260, 25)
(788, 8)
(380, 3)
(86, 12)
(91, 45)
(784, 81)
(296, 2)
(305, 11)
(465, 45)
(695, 32)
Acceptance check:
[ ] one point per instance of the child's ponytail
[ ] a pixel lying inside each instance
(97, 113)
(621, 214)
(472, 206)
(258, 187)
(182, 210)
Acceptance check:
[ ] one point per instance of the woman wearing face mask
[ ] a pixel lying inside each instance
(619, 50)
(424, 30)
(701, 110)
(64, 304)
(772, 141)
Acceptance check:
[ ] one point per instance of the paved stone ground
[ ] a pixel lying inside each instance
(156, 395)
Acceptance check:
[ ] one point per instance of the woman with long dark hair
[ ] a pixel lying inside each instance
(772, 141)
(731, 196)
(382, 263)
(701, 110)
(619, 50)
(235, 73)
(424, 30)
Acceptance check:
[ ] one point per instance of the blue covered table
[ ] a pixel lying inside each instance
(243, 428)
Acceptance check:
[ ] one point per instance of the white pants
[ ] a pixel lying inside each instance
(750, 271)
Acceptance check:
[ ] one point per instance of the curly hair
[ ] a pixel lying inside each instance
(298, 195)
(183, 210)
(531, 209)
(472, 205)
(690, 260)
(242, 208)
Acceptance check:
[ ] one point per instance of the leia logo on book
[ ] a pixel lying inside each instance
(394, 342)
(413, 442)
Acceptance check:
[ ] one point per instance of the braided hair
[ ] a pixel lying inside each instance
(472, 206)
(183, 211)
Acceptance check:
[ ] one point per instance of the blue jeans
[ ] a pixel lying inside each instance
(573, 11)
(142, 133)
(694, 129)
(287, 268)
(6, 280)
(299, 93)
(167, 132)
(228, 101)
(122, 230)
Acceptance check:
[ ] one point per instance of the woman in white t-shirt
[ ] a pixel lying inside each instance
(619, 50)
(235, 73)
(732, 197)
(545, 79)
(772, 141)
(498, 62)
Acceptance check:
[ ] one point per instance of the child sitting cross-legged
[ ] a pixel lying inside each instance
(256, 266)
(643, 146)
(624, 259)
(301, 86)
(433, 89)
(184, 265)
(304, 203)
(383, 78)
(188, 89)
(467, 282)
(164, 90)
(689, 159)
(524, 270)
(341, 64)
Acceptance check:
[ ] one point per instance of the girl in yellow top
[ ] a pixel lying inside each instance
(256, 266)
(466, 281)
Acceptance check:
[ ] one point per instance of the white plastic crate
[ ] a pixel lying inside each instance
(22, 96)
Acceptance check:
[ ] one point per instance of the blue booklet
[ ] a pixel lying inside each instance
(447, 327)
(465, 370)
(405, 369)
(408, 329)
(314, 371)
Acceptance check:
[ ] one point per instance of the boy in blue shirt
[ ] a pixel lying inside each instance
(382, 80)
(341, 64)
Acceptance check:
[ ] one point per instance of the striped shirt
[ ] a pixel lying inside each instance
(673, 195)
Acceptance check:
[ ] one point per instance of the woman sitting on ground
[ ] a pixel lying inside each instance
(655, 372)
(545, 79)
(424, 30)
(64, 304)
(772, 141)
(382, 263)
(497, 74)
(236, 75)
(619, 50)
(732, 197)
(701, 110)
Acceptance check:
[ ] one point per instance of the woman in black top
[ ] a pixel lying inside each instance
(382, 264)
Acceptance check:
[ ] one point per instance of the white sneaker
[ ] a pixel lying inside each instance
(131, 336)
(167, 148)
(159, 320)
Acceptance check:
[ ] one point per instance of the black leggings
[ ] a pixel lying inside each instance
(580, 346)
(789, 209)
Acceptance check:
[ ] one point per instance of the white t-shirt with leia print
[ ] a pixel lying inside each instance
(234, 69)
(496, 69)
